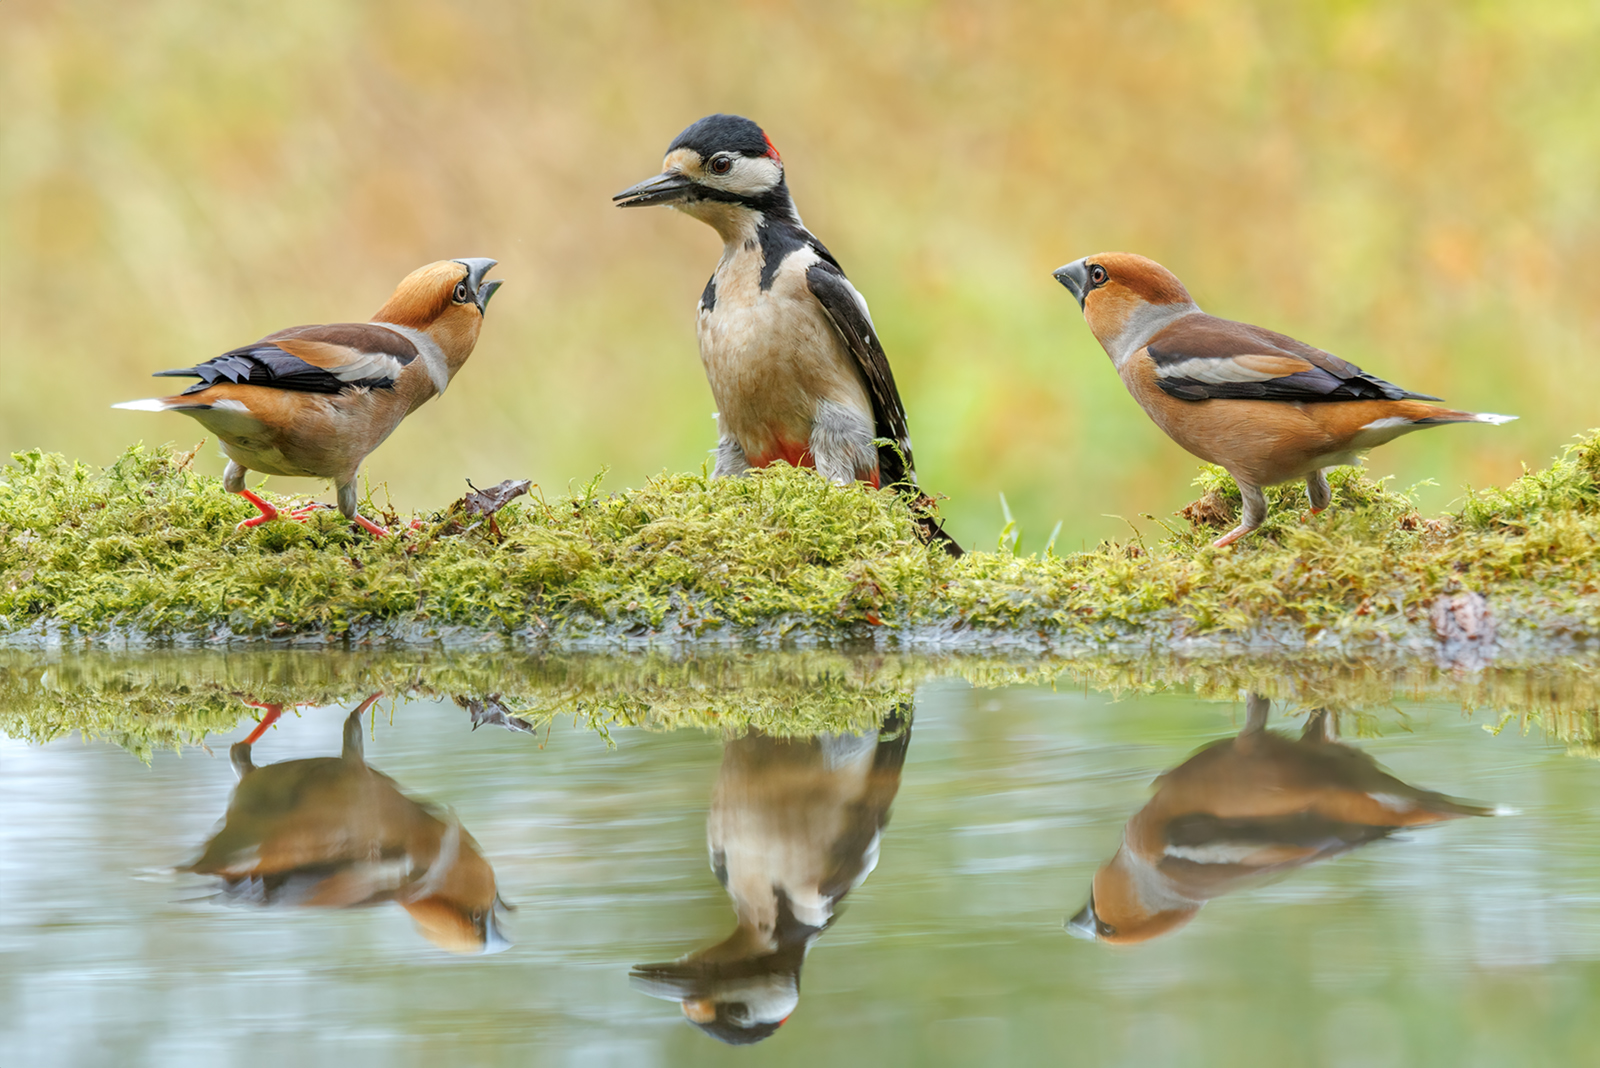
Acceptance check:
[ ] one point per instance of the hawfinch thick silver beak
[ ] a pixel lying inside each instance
(1083, 925)
(477, 267)
(664, 188)
(1075, 276)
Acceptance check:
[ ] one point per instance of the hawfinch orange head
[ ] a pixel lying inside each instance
(1117, 290)
(1118, 911)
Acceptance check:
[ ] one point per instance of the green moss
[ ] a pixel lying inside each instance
(147, 548)
(168, 699)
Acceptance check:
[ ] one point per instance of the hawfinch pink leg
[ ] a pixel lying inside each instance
(1255, 513)
(369, 526)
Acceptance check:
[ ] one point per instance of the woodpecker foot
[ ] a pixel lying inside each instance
(1232, 536)
(369, 526)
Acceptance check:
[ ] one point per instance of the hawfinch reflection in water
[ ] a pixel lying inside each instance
(331, 832)
(1242, 809)
(793, 828)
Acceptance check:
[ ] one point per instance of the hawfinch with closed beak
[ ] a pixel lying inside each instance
(1245, 809)
(313, 401)
(1264, 406)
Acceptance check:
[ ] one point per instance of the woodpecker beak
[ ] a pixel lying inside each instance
(1075, 276)
(477, 267)
(1082, 925)
(664, 188)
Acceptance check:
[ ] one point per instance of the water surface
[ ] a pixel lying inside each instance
(900, 895)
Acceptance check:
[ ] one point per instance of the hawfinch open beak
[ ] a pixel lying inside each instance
(1084, 925)
(664, 188)
(477, 267)
(1075, 276)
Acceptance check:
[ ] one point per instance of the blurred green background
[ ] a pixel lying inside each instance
(1411, 185)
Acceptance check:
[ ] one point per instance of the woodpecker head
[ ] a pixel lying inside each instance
(719, 168)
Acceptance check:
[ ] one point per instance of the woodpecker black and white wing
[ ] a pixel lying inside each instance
(847, 310)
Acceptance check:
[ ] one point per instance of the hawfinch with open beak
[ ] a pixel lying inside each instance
(1268, 408)
(313, 401)
(1241, 810)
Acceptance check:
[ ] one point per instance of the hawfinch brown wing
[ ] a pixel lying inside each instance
(310, 359)
(1201, 357)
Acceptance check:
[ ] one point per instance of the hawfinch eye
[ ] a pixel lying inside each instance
(1097, 275)
(461, 295)
(721, 165)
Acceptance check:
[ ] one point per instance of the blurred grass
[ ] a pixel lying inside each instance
(1410, 185)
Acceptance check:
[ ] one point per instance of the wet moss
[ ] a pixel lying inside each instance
(147, 549)
(170, 699)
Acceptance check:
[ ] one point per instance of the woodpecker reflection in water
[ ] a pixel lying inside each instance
(331, 832)
(793, 827)
(1243, 809)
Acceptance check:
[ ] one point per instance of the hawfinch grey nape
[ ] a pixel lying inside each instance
(794, 362)
(313, 401)
(1264, 406)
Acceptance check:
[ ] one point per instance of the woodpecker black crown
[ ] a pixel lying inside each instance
(724, 133)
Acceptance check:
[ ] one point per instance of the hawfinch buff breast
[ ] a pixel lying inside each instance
(313, 401)
(1264, 406)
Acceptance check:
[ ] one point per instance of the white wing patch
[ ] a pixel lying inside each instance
(369, 365)
(1214, 370)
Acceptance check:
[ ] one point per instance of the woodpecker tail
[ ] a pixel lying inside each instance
(928, 525)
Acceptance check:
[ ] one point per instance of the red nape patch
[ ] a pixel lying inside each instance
(772, 149)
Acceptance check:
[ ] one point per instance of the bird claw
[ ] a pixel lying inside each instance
(369, 526)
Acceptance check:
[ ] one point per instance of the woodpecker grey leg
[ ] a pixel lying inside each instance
(841, 443)
(1255, 513)
(731, 462)
(1318, 491)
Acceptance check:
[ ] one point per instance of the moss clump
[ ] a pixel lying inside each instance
(147, 548)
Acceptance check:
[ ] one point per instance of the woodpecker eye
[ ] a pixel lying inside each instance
(461, 296)
(1097, 275)
(721, 164)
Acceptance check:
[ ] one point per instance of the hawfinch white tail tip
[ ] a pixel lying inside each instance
(1491, 417)
(149, 404)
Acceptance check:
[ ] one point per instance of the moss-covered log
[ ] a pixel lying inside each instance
(146, 551)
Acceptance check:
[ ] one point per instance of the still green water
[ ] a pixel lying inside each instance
(1474, 941)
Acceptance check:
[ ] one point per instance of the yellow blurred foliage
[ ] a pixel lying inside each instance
(1415, 186)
